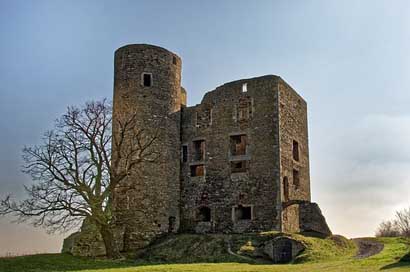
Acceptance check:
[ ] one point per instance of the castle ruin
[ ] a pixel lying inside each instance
(237, 162)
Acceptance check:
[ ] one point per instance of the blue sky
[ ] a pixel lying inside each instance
(348, 59)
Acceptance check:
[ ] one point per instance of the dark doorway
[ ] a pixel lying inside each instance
(204, 214)
(282, 252)
(171, 223)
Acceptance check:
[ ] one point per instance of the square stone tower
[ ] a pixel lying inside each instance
(244, 155)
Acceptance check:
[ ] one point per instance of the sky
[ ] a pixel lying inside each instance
(349, 59)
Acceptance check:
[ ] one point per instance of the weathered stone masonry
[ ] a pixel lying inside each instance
(234, 163)
(237, 162)
(147, 82)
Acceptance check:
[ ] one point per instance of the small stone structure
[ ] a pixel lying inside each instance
(86, 242)
(234, 163)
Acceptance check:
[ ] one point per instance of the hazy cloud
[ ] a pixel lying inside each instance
(368, 175)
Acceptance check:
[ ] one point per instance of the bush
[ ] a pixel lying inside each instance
(387, 229)
(400, 226)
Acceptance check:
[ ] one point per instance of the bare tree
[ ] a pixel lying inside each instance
(387, 228)
(73, 171)
(402, 222)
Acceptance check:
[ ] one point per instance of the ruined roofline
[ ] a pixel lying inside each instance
(145, 46)
(239, 82)
(244, 80)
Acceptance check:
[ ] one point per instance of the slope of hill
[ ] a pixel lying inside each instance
(209, 253)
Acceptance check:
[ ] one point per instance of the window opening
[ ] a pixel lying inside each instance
(243, 212)
(244, 87)
(286, 188)
(199, 150)
(295, 150)
(197, 170)
(147, 80)
(238, 145)
(204, 214)
(184, 153)
(296, 180)
(238, 166)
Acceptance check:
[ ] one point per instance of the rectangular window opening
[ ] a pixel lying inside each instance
(244, 87)
(204, 214)
(243, 213)
(147, 79)
(197, 170)
(199, 150)
(295, 150)
(238, 145)
(296, 179)
(238, 166)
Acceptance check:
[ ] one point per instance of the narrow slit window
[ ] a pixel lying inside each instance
(147, 79)
(286, 189)
(295, 150)
(197, 170)
(296, 178)
(184, 153)
(174, 60)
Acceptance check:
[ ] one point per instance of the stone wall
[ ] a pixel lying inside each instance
(241, 190)
(305, 217)
(86, 242)
(293, 129)
(290, 218)
(312, 220)
(294, 155)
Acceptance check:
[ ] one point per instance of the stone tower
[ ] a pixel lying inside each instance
(147, 82)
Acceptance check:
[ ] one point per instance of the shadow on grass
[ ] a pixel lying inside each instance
(403, 262)
(66, 262)
(396, 265)
(59, 262)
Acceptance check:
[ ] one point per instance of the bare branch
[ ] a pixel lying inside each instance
(75, 172)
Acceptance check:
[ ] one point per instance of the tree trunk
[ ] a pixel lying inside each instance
(111, 248)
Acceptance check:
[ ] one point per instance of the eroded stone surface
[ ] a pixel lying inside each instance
(86, 242)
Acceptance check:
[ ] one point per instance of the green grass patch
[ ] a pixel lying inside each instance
(332, 254)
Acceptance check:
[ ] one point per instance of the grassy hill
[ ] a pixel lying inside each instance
(204, 253)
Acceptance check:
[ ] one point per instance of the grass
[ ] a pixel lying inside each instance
(335, 254)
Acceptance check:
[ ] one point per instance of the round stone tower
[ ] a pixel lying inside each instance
(147, 85)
